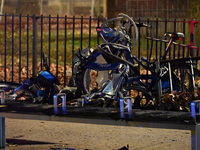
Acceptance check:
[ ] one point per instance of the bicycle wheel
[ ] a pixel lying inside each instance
(140, 96)
(88, 80)
(21, 95)
(93, 80)
(189, 78)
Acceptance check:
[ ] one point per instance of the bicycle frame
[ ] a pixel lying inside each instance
(117, 51)
(112, 53)
(40, 88)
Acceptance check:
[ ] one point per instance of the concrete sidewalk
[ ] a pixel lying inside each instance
(52, 135)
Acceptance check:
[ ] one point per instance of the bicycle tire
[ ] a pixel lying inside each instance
(87, 80)
(87, 85)
(140, 96)
(185, 76)
(84, 80)
(22, 95)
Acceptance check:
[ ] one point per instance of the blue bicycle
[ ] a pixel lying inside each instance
(102, 73)
(37, 89)
(113, 62)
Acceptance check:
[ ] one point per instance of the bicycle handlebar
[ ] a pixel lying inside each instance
(123, 27)
(135, 27)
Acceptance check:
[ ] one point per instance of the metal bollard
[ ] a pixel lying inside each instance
(121, 108)
(55, 99)
(130, 111)
(195, 136)
(2, 96)
(129, 106)
(193, 109)
(55, 102)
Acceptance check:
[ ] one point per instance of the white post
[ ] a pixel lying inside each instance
(170, 77)
(92, 8)
(41, 7)
(105, 14)
(1, 9)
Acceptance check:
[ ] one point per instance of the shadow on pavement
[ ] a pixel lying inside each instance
(11, 142)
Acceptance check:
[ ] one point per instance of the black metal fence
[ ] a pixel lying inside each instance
(24, 38)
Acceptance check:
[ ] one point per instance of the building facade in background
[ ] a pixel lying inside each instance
(53, 7)
(107, 8)
(150, 8)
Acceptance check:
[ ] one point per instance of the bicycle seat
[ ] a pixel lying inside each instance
(175, 35)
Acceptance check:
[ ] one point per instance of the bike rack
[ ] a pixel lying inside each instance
(55, 102)
(196, 131)
(2, 96)
(122, 113)
(193, 110)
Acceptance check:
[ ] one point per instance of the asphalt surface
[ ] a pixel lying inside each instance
(40, 127)
(24, 134)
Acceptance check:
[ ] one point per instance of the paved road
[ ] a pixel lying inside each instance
(47, 135)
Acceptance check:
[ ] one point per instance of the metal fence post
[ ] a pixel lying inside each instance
(2, 133)
(35, 46)
(159, 82)
(193, 23)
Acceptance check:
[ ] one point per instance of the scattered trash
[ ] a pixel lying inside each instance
(62, 148)
(11, 145)
(18, 136)
(124, 148)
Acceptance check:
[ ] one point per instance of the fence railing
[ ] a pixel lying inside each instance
(24, 38)
(156, 43)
